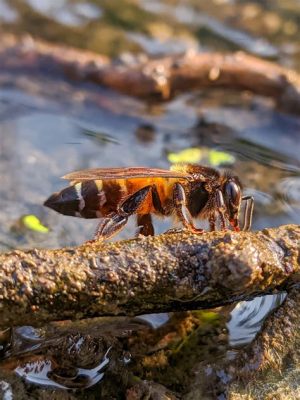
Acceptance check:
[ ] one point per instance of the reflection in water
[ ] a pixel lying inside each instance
(248, 316)
(42, 372)
(100, 137)
(155, 320)
(250, 150)
(25, 339)
(160, 345)
(289, 192)
(6, 391)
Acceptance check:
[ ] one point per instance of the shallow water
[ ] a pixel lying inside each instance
(49, 127)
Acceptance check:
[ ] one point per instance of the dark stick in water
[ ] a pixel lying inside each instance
(170, 272)
(161, 78)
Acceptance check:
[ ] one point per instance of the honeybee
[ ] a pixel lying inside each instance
(186, 192)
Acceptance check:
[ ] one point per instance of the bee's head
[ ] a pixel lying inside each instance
(232, 192)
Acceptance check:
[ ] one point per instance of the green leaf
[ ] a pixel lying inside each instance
(192, 155)
(196, 155)
(34, 224)
(217, 158)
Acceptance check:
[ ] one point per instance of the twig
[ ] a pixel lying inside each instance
(161, 78)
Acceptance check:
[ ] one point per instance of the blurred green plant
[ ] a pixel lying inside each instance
(33, 223)
(196, 155)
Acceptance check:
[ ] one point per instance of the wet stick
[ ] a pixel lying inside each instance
(161, 78)
(179, 271)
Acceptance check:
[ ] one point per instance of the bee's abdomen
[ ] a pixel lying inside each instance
(86, 199)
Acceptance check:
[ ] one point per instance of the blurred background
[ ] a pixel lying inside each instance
(51, 125)
(266, 28)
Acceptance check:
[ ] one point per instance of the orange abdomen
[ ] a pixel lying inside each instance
(164, 188)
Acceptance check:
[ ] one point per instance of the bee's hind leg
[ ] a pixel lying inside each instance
(212, 222)
(144, 223)
(110, 226)
(116, 221)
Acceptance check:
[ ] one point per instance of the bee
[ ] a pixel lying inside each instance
(186, 192)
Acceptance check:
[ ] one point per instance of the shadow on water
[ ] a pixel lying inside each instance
(50, 128)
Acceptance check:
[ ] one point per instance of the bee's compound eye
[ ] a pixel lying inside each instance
(233, 193)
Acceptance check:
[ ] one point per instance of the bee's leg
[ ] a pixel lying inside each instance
(144, 221)
(223, 221)
(182, 210)
(163, 210)
(157, 202)
(221, 209)
(110, 226)
(115, 222)
(212, 222)
(248, 213)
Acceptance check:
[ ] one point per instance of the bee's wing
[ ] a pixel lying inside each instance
(124, 173)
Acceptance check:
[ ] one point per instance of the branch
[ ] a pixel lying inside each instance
(161, 78)
(164, 78)
(169, 272)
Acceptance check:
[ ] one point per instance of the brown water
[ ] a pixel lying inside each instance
(49, 126)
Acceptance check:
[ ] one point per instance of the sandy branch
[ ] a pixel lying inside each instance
(170, 272)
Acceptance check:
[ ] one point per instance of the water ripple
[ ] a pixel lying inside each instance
(42, 372)
(248, 316)
(288, 191)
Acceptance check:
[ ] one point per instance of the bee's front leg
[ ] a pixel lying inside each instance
(220, 203)
(248, 213)
(182, 211)
(116, 221)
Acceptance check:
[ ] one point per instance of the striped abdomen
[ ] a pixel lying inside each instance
(96, 199)
(87, 199)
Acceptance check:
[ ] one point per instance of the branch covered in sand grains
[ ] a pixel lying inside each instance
(170, 272)
(160, 78)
